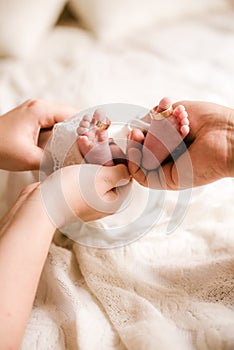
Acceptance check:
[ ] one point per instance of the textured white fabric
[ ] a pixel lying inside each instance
(163, 291)
(23, 24)
(111, 19)
(63, 148)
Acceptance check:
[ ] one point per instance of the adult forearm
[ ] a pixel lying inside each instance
(24, 245)
(232, 157)
(230, 141)
(2, 141)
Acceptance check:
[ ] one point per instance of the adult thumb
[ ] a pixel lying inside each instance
(114, 176)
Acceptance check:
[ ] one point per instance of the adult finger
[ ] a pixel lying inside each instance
(99, 186)
(119, 187)
(115, 176)
(174, 175)
(48, 113)
(134, 155)
(118, 155)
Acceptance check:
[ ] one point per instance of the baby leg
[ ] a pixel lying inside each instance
(93, 139)
(165, 133)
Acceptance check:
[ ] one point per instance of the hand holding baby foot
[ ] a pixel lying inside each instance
(210, 149)
(86, 192)
(147, 151)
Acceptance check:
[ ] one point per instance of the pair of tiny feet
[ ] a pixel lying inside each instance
(167, 128)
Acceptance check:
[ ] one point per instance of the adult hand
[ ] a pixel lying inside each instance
(21, 128)
(32, 221)
(210, 153)
(87, 191)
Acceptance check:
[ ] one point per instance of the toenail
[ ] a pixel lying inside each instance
(182, 108)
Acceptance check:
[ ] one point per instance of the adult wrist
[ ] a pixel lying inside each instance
(54, 201)
(32, 210)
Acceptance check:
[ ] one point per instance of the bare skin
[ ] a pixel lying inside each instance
(164, 135)
(28, 225)
(210, 149)
(25, 130)
(93, 140)
(21, 148)
(94, 143)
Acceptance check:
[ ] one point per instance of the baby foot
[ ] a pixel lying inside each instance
(163, 135)
(93, 139)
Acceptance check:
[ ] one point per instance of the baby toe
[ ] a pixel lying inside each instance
(178, 111)
(184, 130)
(99, 114)
(82, 131)
(164, 104)
(86, 118)
(84, 124)
(185, 121)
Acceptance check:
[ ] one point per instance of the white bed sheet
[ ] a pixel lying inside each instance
(163, 291)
